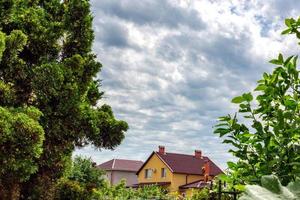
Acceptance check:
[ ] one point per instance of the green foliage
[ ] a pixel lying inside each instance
(21, 138)
(200, 194)
(68, 189)
(21, 142)
(84, 172)
(6, 94)
(271, 188)
(85, 181)
(46, 65)
(2, 44)
(293, 26)
(120, 192)
(265, 132)
(81, 179)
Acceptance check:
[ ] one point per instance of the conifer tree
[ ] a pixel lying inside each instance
(48, 94)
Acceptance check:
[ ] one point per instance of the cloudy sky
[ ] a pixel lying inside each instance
(171, 67)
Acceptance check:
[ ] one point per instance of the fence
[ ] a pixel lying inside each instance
(223, 193)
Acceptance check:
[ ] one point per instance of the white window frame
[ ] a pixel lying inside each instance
(148, 173)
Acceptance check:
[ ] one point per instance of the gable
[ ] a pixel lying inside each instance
(153, 161)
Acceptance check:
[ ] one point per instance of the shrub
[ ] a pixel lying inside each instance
(200, 194)
(68, 189)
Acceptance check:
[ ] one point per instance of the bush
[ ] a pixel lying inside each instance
(68, 189)
(84, 172)
(120, 192)
(80, 180)
(200, 194)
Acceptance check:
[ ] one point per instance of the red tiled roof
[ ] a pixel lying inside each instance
(121, 165)
(197, 184)
(186, 164)
(150, 183)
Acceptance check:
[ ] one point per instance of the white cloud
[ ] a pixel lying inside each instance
(172, 66)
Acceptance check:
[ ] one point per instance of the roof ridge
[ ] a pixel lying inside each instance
(183, 154)
(121, 159)
(105, 162)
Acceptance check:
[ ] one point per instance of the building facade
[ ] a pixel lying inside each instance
(178, 173)
(118, 169)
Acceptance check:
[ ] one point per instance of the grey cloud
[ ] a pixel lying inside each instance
(285, 8)
(150, 12)
(160, 109)
(112, 34)
(230, 52)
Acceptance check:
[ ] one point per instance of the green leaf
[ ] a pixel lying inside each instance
(286, 31)
(280, 58)
(231, 142)
(271, 189)
(221, 125)
(288, 22)
(223, 177)
(260, 87)
(271, 183)
(240, 187)
(275, 62)
(231, 165)
(222, 131)
(238, 99)
(287, 60)
(248, 97)
(295, 61)
(294, 187)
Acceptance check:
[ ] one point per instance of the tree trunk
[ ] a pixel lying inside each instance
(9, 190)
(39, 187)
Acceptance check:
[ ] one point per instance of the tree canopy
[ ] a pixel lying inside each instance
(265, 132)
(49, 93)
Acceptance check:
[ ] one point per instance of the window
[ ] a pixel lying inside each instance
(163, 172)
(148, 173)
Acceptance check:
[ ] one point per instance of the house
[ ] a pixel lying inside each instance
(177, 172)
(118, 169)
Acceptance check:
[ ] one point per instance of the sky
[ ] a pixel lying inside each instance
(171, 67)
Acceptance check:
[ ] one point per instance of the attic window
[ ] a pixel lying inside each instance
(163, 172)
(148, 173)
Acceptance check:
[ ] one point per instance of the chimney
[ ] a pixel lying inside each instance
(198, 154)
(206, 170)
(161, 149)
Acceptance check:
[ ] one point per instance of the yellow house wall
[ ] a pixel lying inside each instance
(182, 179)
(155, 163)
(193, 178)
(176, 179)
